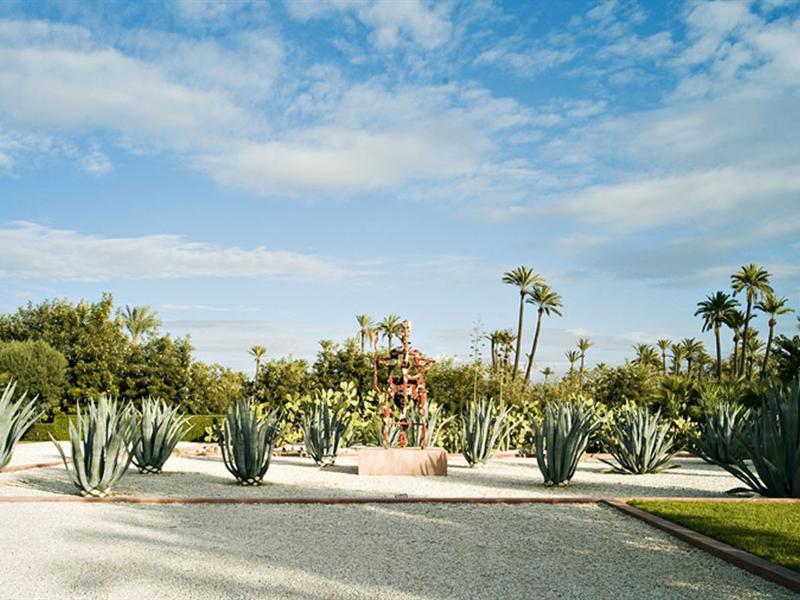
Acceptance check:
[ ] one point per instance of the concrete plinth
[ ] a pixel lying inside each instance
(402, 461)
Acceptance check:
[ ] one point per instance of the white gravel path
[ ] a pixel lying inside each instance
(430, 551)
(299, 477)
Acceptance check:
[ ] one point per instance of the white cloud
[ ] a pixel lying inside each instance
(32, 251)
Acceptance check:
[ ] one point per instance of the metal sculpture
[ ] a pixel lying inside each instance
(405, 387)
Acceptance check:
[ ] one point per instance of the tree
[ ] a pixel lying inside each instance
(38, 368)
(772, 306)
(716, 310)
(734, 321)
(754, 346)
(391, 327)
(753, 280)
(572, 356)
(505, 340)
(495, 338)
(525, 279)
(678, 355)
(692, 348)
(647, 356)
(548, 373)
(258, 353)
(365, 329)
(787, 357)
(547, 302)
(664, 344)
(583, 346)
(140, 322)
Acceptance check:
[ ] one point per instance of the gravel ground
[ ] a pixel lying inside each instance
(299, 477)
(370, 551)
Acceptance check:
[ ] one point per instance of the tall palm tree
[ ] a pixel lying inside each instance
(495, 340)
(734, 321)
(583, 346)
(572, 356)
(663, 344)
(754, 282)
(754, 346)
(258, 352)
(365, 327)
(547, 372)
(391, 327)
(678, 354)
(647, 356)
(547, 302)
(715, 310)
(525, 279)
(140, 322)
(692, 349)
(773, 306)
(505, 340)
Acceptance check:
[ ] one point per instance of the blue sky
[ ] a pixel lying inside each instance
(261, 172)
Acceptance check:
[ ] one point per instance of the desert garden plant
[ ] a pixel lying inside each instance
(100, 441)
(159, 427)
(324, 429)
(434, 423)
(16, 417)
(561, 439)
(639, 441)
(723, 439)
(482, 425)
(247, 441)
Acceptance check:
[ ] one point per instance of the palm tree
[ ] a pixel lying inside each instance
(647, 356)
(715, 310)
(525, 279)
(702, 360)
(583, 345)
(753, 281)
(573, 356)
(754, 346)
(678, 354)
(548, 302)
(663, 345)
(772, 306)
(140, 322)
(391, 327)
(692, 349)
(495, 339)
(547, 372)
(734, 321)
(505, 340)
(258, 352)
(365, 328)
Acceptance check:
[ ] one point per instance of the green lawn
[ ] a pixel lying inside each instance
(771, 531)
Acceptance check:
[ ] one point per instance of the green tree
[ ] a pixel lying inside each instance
(787, 357)
(547, 302)
(774, 307)
(140, 322)
(647, 356)
(583, 346)
(692, 348)
(391, 327)
(663, 345)
(678, 356)
(258, 353)
(160, 367)
(38, 369)
(366, 329)
(572, 356)
(716, 310)
(753, 280)
(525, 280)
(735, 321)
(548, 373)
(214, 388)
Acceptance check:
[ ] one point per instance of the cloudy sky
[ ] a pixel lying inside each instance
(261, 172)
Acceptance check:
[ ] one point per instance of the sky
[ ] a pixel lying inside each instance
(260, 173)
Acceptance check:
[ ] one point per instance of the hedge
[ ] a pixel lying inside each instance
(59, 428)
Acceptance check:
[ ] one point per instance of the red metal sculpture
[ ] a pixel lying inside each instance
(405, 386)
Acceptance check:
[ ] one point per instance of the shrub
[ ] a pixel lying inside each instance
(159, 428)
(324, 428)
(723, 439)
(561, 439)
(639, 441)
(433, 425)
(99, 442)
(247, 441)
(480, 431)
(36, 367)
(16, 417)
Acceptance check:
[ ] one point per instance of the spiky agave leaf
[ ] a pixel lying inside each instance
(640, 442)
(160, 427)
(561, 439)
(16, 417)
(433, 425)
(100, 443)
(323, 430)
(247, 441)
(723, 439)
(480, 430)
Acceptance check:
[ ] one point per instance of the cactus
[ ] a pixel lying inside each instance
(639, 441)
(481, 430)
(160, 428)
(247, 441)
(16, 417)
(723, 440)
(561, 439)
(323, 430)
(100, 440)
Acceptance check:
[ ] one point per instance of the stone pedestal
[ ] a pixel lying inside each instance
(402, 461)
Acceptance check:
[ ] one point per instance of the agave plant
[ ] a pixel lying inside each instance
(100, 439)
(434, 424)
(640, 442)
(723, 440)
(481, 430)
(159, 427)
(16, 417)
(561, 439)
(247, 441)
(772, 446)
(324, 429)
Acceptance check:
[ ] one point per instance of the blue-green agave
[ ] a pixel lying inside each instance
(247, 441)
(16, 417)
(639, 441)
(160, 427)
(561, 439)
(324, 429)
(482, 425)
